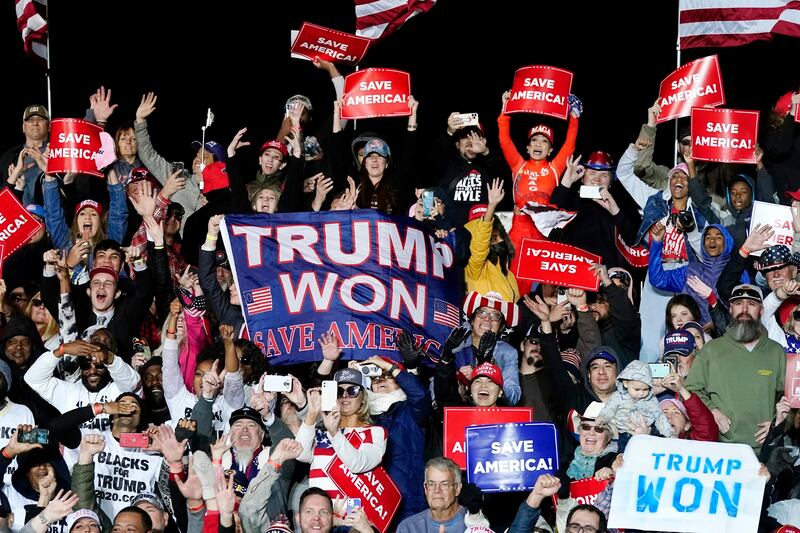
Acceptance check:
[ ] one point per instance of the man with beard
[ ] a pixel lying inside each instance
(109, 475)
(20, 346)
(156, 410)
(104, 376)
(536, 389)
(740, 375)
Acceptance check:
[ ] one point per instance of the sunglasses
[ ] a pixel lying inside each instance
(176, 216)
(381, 378)
(796, 315)
(85, 364)
(348, 392)
(37, 303)
(596, 429)
(686, 142)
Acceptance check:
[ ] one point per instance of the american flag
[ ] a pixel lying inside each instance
(714, 23)
(33, 26)
(376, 19)
(446, 314)
(258, 300)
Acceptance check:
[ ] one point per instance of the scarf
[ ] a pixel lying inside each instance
(582, 466)
(380, 402)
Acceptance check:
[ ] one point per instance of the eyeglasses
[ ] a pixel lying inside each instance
(589, 427)
(85, 364)
(382, 378)
(443, 485)
(491, 315)
(36, 302)
(578, 528)
(17, 297)
(348, 392)
(532, 340)
(686, 142)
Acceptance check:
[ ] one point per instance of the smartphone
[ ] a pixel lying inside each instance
(329, 393)
(277, 383)
(353, 504)
(590, 191)
(672, 360)
(140, 346)
(178, 166)
(659, 370)
(193, 270)
(34, 436)
(427, 203)
(134, 440)
(468, 119)
(562, 297)
(371, 370)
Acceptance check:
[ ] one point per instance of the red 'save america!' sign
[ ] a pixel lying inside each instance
(557, 264)
(376, 92)
(695, 84)
(17, 225)
(724, 135)
(540, 89)
(335, 46)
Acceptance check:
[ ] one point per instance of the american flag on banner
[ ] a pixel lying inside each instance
(446, 314)
(258, 300)
(33, 26)
(376, 19)
(716, 23)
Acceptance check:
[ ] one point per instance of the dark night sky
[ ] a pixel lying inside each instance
(234, 57)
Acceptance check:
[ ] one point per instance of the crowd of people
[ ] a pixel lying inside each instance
(132, 401)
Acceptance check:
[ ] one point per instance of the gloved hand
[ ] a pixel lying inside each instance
(453, 341)
(205, 472)
(575, 104)
(411, 354)
(471, 497)
(485, 350)
(779, 460)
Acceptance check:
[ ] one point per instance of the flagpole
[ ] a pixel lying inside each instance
(677, 66)
(47, 74)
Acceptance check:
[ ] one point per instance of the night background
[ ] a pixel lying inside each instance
(234, 58)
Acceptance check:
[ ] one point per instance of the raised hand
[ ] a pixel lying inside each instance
(171, 449)
(657, 231)
(607, 202)
(602, 273)
(146, 107)
(227, 332)
(213, 380)
(60, 506)
(652, 113)
(577, 297)
(188, 279)
(486, 345)
(538, 307)
(175, 182)
(237, 142)
(546, 485)
(454, 340)
(330, 346)
(573, 173)
(221, 446)
(213, 224)
(496, 192)
(226, 497)
(91, 445)
(100, 103)
(144, 203)
(407, 348)
(286, 450)
(191, 489)
(757, 240)
(454, 123)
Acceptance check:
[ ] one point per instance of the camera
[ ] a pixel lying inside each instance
(371, 370)
(685, 219)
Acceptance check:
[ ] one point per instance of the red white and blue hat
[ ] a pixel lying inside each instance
(476, 300)
(774, 257)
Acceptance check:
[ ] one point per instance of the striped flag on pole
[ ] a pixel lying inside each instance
(33, 26)
(446, 314)
(376, 19)
(258, 300)
(717, 23)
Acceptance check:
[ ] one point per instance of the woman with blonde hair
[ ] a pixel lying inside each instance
(46, 325)
(346, 429)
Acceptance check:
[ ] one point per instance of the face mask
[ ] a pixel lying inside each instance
(500, 249)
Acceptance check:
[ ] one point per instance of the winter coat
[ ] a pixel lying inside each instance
(707, 268)
(405, 424)
(622, 329)
(621, 406)
(505, 356)
(482, 275)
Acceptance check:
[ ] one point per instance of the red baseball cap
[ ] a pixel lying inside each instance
(90, 204)
(784, 104)
(794, 195)
(541, 129)
(488, 370)
(104, 270)
(215, 176)
(477, 211)
(277, 145)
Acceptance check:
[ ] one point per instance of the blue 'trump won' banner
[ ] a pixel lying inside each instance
(362, 275)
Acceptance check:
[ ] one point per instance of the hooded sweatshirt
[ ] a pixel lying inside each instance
(707, 268)
(621, 406)
(20, 392)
